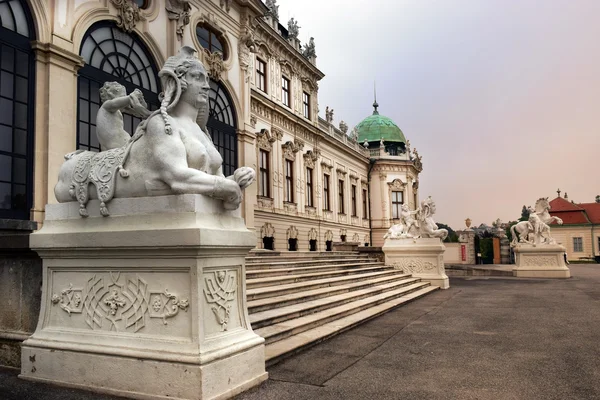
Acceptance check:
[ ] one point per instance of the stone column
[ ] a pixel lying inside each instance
(55, 120)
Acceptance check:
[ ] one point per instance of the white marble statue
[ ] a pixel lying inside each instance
(424, 223)
(309, 49)
(293, 29)
(109, 120)
(170, 152)
(427, 226)
(536, 229)
(403, 228)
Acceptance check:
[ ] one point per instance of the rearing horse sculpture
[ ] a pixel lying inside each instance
(536, 229)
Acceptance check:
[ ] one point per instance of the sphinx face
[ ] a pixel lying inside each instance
(196, 93)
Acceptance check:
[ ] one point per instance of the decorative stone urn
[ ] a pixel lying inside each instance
(144, 290)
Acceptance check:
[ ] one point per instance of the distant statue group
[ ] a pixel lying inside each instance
(170, 152)
(536, 229)
(417, 223)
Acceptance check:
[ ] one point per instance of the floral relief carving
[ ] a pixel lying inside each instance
(69, 300)
(539, 261)
(412, 266)
(219, 290)
(110, 301)
(129, 14)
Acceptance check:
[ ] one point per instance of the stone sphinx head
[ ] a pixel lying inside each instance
(184, 79)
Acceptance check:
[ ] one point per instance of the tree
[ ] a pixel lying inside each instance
(452, 235)
(524, 214)
(598, 198)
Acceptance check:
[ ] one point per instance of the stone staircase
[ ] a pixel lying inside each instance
(297, 299)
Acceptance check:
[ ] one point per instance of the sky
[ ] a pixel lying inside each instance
(500, 97)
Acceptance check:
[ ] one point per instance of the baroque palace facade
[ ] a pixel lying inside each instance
(317, 183)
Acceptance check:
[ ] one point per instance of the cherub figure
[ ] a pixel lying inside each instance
(406, 218)
(109, 120)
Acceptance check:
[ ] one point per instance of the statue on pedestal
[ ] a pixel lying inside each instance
(170, 152)
(424, 223)
(536, 229)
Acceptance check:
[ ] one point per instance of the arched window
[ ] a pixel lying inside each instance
(16, 109)
(112, 55)
(211, 40)
(222, 126)
(142, 4)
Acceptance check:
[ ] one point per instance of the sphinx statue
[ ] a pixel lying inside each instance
(170, 153)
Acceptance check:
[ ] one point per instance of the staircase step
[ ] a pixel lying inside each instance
(269, 291)
(278, 350)
(270, 272)
(306, 263)
(285, 279)
(282, 330)
(269, 303)
(281, 314)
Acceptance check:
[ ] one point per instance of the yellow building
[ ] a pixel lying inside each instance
(580, 231)
(317, 183)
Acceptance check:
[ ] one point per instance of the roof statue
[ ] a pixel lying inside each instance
(293, 29)
(536, 230)
(170, 152)
(309, 49)
(328, 114)
(273, 9)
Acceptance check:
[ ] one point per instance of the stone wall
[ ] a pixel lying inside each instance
(20, 285)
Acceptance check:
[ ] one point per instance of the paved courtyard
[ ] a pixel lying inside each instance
(484, 338)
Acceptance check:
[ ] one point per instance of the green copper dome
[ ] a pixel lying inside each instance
(376, 126)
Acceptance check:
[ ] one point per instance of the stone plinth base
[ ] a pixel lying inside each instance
(423, 258)
(541, 261)
(147, 303)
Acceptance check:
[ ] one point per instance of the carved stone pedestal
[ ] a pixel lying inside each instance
(147, 303)
(423, 258)
(541, 261)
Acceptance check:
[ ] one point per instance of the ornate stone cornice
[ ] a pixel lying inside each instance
(326, 167)
(264, 140)
(397, 184)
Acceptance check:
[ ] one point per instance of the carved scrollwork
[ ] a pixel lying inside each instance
(539, 261)
(124, 302)
(214, 63)
(129, 14)
(411, 266)
(264, 140)
(179, 10)
(219, 290)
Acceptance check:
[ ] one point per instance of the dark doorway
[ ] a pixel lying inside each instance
(269, 243)
(312, 244)
(328, 245)
(292, 244)
(343, 237)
